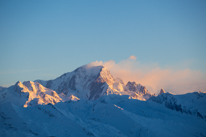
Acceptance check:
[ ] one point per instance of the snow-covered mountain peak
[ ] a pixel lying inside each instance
(91, 82)
(138, 91)
(88, 69)
(106, 75)
(88, 81)
(34, 93)
(18, 84)
(162, 91)
(133, 86)
(18, 87)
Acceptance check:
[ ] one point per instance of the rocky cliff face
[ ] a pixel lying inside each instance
(138, 91)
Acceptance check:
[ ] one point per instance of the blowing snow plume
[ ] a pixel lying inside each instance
(154, 77)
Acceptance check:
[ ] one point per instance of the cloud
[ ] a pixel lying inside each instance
(154, 77)
(133, 57)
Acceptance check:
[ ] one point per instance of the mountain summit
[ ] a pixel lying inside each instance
(162, 91)
(91, 82)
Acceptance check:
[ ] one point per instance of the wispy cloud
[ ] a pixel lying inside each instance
(133, 57)
(154, 77)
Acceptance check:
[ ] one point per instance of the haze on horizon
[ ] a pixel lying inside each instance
(160, 44)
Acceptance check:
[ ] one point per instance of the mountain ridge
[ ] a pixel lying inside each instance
(91, 82)
(182, 103)
(89, 101)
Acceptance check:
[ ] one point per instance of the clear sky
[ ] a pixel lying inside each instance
(42, 39)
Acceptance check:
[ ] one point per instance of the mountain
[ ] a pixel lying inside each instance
(92, 82)
(138, 91)
(31, 93)
(162, 91)
(190, 103)
(86, 82)
(89, 101)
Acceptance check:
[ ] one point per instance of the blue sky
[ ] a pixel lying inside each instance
(44, 39)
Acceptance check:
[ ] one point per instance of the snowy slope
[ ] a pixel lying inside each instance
(36, 121)
(1, 88)
(190, 103)
(111, 115)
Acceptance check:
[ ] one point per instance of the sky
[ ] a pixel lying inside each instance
(157, 43)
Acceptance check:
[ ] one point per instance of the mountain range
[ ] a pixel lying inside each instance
(89, 101)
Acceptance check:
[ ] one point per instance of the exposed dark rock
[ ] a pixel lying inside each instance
(162, 91)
